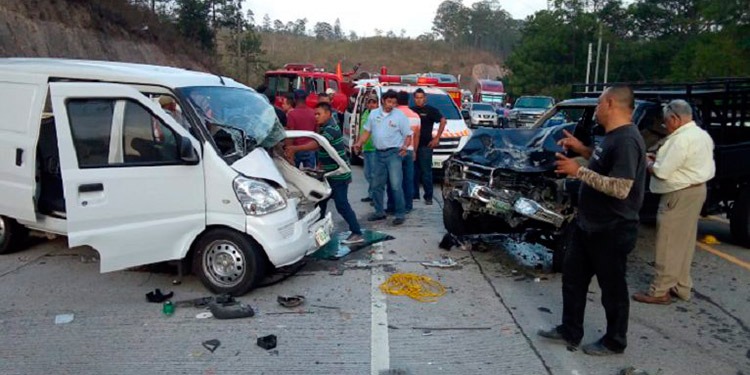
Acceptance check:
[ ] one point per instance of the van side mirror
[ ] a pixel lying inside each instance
(465, 114)
(187, 152)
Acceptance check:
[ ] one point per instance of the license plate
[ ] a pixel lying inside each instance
(437, 164)
(322, 236)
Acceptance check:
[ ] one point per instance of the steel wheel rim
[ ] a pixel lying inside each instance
(2, 230)
(224, 263)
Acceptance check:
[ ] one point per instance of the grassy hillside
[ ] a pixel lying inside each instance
(401, 56)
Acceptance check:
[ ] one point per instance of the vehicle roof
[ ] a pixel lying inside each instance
(302, 73)
(408, 88)
(111, 71)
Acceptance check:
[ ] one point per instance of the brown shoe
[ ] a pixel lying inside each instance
(643, 297)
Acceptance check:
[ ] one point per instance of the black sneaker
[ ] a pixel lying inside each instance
(555, 335)
(598, 349)
(398, 221)
(376, 217)
(428, 202)
(366, 199)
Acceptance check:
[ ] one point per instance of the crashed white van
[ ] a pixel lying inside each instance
(148, 164)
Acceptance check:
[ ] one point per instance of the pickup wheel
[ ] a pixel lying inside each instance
(453, 219)
(228, 262)
(12, 235)
(739, 223)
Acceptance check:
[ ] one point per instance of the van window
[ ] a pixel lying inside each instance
(111, 132)
(332, 84)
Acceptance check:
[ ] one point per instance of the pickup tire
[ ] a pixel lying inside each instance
(228, 262)
(739, 222)
(453, 219)
(13, 236)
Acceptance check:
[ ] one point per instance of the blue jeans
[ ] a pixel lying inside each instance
(424, 173)
(308, 159)
(407, 166)
(369, 161)
(339, 193)
(389, 170)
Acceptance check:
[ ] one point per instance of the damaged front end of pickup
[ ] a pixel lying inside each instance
(503, 181)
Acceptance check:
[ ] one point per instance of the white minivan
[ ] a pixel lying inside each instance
(148, 164)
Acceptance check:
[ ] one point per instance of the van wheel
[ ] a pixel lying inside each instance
(739, 223)
(228, 262)
(13, 236)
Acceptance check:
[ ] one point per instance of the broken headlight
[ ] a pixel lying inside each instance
(257, 197)
(526, 207)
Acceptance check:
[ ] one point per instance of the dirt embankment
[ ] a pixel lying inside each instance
(92, 29)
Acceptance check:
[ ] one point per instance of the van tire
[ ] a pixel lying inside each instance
(228, 262)
(739, 222)
(13, 236)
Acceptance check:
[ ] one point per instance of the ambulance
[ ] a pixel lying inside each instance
(456, 132)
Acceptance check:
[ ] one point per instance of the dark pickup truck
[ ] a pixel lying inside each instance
(503, 180)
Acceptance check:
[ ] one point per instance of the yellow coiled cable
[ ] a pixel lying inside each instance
(419, 287)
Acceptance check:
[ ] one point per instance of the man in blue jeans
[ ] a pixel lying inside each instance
(391, 136)
(402, 99)
(339, 183)
(429, 116)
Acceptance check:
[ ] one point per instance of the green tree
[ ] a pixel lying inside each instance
(193, 22)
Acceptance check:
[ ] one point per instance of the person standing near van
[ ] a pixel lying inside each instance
(391, 136)
(429, 116)
(302, 117)
(679, 173)
(402, 99)
(368, 150)
(339, 183)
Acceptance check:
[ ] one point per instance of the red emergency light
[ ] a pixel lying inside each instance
(427, 81)
(389, 79)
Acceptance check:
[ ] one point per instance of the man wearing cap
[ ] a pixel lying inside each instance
(302, 117)
(391, 136)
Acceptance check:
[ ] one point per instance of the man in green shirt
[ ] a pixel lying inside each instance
(368, 150)
(328, 128)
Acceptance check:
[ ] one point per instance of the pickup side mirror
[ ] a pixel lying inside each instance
(465, 114)
(187, 152)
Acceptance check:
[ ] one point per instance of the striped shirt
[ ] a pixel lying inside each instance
(332, 133)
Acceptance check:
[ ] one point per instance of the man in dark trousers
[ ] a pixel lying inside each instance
(606, 228)
(427, 142)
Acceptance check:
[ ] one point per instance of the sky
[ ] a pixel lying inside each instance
(415, 16)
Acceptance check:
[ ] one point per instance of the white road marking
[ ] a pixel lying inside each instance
(379, 348)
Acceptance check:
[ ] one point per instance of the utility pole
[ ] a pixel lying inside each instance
(606, 64)
(598, 52)
(588, 69)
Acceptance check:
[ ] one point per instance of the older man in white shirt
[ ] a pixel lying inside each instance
(679, 173)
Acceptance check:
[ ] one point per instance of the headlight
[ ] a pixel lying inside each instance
(526, 207)
(257, 197)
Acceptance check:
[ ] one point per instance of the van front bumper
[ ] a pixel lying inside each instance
(288, 241)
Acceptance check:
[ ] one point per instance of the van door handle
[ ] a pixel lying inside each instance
(19, 157)
(90, 188)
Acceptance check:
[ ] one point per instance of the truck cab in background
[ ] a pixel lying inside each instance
(313, 81)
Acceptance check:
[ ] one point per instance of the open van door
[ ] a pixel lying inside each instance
(133, 181)
(22, 99)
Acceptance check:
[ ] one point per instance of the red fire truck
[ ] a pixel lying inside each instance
(313, 80)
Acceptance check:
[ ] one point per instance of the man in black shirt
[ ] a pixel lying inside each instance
(423, 169)
(610, 197)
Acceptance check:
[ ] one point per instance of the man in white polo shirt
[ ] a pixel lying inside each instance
(391, 136)
(679, 173)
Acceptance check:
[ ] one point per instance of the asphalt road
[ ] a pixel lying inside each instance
(484, 324)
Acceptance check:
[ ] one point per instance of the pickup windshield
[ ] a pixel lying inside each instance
(443, 103)
(240, 113)
(482, 107)
(533, 102)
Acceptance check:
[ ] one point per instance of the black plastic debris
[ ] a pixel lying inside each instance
(290, 301)
(231, 311)
(267, 342)
(544, 309)
(211, 345)
(157, 296)
(222, 299)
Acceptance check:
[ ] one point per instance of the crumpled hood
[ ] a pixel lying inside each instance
(521, 150)
(258, 164)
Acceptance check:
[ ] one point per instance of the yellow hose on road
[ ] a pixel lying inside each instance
(418, 287)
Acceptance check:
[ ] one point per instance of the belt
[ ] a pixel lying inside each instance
(387, 149)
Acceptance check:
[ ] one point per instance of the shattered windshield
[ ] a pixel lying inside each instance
(241, 118)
